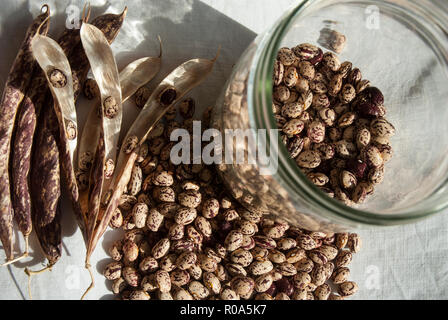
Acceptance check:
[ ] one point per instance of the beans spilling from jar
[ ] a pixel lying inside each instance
(186, 239)
(332, 122)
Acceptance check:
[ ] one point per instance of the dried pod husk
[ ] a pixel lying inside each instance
(182, 79)
(104, 69)
(52, 60)
(110, 24)
(46, 225)
(133, 76)
(46, 191)
(13, 94)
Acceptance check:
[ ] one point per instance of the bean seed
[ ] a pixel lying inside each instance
(207, 264)
(348, 288)
(154, 220)
(286, 269)
(198, 290)
(130, 250)
(161, 248)
(304, 265)
(292, 110)
(163, 281)
(260, 267)
(309, 159)
(300, 294)
(210, 209)
(286, 56)
(382, 128)
(306, 242)
(113, 270)
(290, 77)
(131, 276)
(348, 180)
(281, 93)
(190, 198)
(277, 256)
(331, 61)
(354, 242)
(322, 292)
(185, 215)
(233, 240)
(340, 275)
(148, 264)
(347, 93)
(343, 259)
(118, 285)
(168, 262)
(242, 257)
(373, 156)
(279, 71)
(306, 70)
(293, 127)
(212, 283)
(263, 282)
(179, 278)
(203, 225)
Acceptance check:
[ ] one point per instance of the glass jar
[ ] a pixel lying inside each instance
(402, 48)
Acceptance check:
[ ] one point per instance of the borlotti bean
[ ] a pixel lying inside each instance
(14, 92)
(197, 243)
(330, 117)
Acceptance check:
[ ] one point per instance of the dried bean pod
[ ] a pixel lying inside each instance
(18, 80)
(52, 60)
(70, 42)
(45, 189)
(110, 25)
(46, 218)
(134, 75)
(105, 71)
(171, 90)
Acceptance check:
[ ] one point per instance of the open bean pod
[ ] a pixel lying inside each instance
(56, 67)
(132, 77)
(170, 91)
(104, 69)
(57, 70)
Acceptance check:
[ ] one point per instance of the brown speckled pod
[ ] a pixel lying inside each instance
(110, 24)
(46, 189)
(35, 97)
(13, 94)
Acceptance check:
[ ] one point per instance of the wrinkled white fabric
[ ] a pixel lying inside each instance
(406, 262)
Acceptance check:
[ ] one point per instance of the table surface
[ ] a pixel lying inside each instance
(405, 262)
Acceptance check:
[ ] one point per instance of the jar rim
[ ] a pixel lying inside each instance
(294, 180)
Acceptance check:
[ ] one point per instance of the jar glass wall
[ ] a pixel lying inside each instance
(401, 47)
